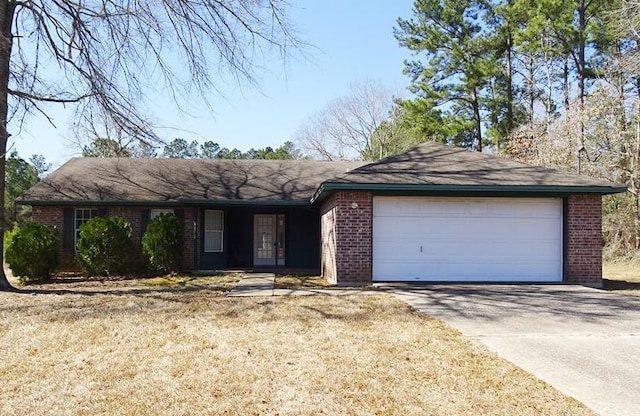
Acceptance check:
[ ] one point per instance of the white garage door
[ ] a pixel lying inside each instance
(467, 239)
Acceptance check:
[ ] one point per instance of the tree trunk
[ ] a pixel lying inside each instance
(549, 97)
(509, 63)
(620, 80)
(635, 173)
(566, 87)
(532, 89)
(7, 9)
(581, 74)
(477, 120)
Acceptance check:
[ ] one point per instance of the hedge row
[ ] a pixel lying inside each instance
(105, 248)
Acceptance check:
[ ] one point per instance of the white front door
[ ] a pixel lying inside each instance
(264, 240)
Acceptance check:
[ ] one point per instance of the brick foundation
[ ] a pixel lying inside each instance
(583, 255)
(346, 232)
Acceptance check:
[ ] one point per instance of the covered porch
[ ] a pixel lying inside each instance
(276, 237)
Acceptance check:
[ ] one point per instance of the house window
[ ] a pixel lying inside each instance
(213, 231)
(83, 215)
(156, 212)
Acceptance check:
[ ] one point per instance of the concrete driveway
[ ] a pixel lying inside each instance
(583, 341)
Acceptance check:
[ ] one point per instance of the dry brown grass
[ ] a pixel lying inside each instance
(181, 350)
(218, 283)
(300, 282)
(622, 277)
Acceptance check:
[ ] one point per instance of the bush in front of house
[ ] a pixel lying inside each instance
(105, 247)
(162, 243)
(31, 251)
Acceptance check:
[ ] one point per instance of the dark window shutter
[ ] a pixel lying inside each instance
(68, 228)
(103, 212)
(180, 214)
(145, 217)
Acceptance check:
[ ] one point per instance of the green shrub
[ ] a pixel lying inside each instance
(105, 247)
(32, 251)
(162, 243)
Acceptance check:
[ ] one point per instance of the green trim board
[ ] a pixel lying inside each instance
(464, 190)
(175, 203)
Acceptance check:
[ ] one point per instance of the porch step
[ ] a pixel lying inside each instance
(254, 284)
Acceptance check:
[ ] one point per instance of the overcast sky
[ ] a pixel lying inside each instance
(352, 40)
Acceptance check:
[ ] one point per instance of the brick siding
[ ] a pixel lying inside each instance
(190, 240)
(55, 216)
(134, 217)
(346, 232)
(346, 235)
(328, 240)
(583, 256)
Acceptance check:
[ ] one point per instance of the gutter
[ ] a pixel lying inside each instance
(466, 190)
(171, 203)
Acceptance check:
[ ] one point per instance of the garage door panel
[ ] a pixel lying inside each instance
(467, 239)
(388, 228)
(498, 272)
(411, 271)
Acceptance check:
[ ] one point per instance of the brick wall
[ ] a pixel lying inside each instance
(328, 240)
(190, 237)
(55, 216)
(346, 230)
(133, 216)
(583, 257)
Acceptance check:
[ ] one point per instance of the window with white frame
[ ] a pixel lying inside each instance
(159, 211)
(83, 215)
(213, 231)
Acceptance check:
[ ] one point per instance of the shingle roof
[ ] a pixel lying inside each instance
(430, 167)
(439, 165)
(123, 179)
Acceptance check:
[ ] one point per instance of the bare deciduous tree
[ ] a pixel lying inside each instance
(103, 56)
(612, 151)
(349, 127)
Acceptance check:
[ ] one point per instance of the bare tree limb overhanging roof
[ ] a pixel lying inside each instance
(107, 55)
(104, 57)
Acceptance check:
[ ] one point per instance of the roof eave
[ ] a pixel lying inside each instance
(467, 190)
(172, 203)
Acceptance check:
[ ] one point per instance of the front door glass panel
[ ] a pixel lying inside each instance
(268, 240)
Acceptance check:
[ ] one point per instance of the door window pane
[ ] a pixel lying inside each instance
(280, 239)
(213, 231)
(264, 233)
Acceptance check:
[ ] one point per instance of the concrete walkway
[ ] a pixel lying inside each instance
(262, 284)
(254, 284)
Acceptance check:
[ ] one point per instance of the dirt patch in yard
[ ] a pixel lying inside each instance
(172, 350)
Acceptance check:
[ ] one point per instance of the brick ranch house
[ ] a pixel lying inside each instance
(432, 213)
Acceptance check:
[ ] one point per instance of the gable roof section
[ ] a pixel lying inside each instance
(167, 181)
(428, 169)
(436, 169)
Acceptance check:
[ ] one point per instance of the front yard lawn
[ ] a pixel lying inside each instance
(290, 281)
(622, 277)
(179, 349)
